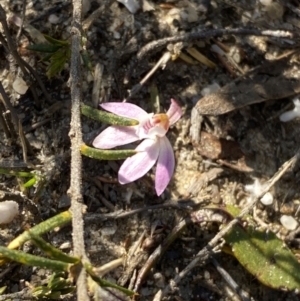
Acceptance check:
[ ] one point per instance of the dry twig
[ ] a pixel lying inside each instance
(22, 21)
(230, 281)
(75, 134)
(204, 34)
(212, 33)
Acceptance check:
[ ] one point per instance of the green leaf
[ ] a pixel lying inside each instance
(57, 286)
(54, 295)
(263, 254)
(106, 117)
(266, 257)
(52, 251)
(86, 60)
(55, 41)
(57, 282)
(105, 283)
(33, 260)
(47, 57)
(47, 48)
(67, 290)
(40, 291)
(58, 60)
(54, 276)
(101, 154)
(56, 221)
(30, 183)
(23, 174)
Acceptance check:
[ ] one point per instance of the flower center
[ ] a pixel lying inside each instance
(155, 125)
(161, 120)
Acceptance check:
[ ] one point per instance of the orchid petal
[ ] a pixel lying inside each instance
(124, 109)
(174, 113)
(165, 165)
(138, 165)
(114, 136)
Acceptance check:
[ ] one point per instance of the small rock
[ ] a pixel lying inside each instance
(290, 115)
(8, 211)
(159, 280)
(267, 199)
(53, 19)
(288, 222)
(65, 245)
(20, 86)
(117, 35)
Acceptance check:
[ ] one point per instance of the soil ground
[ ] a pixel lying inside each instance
(259, 142)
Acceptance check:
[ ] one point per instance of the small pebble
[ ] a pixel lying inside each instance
(288, 222)
(20, 86)
(53, 19)
(8, 211)
(290, 115)
(206, 275)
(267, 199)
(159, 280)
(65, 245)
(117, 35)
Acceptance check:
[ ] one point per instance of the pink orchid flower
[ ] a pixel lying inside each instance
(155, 147)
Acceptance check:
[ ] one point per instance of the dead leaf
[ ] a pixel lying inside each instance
(213, 147)
(273, 80)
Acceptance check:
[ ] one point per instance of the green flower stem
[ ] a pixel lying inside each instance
(106, 117)
(104, 283)
(23, 174)
(101, 154)
(52, 251)
(56, 221)
(33, 260)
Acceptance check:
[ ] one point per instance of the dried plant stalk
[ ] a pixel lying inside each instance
(75, 135)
